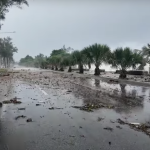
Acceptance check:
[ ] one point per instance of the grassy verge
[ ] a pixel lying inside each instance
(3, 71)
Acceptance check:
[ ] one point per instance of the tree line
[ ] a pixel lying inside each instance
(120, 58)
(7, 50)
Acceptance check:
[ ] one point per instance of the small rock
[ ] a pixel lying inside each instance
(118, 127)
(21, 108)
(100, 119)
(22, 116)
(29, 120)
(38, 104)
(108, 128)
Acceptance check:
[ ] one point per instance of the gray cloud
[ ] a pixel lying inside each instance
(46, 25)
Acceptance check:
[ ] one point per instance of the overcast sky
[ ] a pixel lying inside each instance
(46, 25)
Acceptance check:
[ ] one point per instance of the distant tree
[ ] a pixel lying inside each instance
(67, 60)
(58, 52)
(39, 59)
(146, 54)
(7, 50)
(27, 61)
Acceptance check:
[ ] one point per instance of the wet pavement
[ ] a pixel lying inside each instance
(57, 125)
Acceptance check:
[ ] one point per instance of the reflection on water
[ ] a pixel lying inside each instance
(123, 94)
(128, 99)
(123, 90)
(97, 83)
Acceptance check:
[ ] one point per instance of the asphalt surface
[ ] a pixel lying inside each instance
(69, 128)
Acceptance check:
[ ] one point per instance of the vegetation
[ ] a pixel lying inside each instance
(124, 59)
(7, 50)
(97, 54)
(146, 54)
(27, 61)
(39, 61)
(121, 58)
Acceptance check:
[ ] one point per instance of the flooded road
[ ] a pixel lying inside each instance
(57, 125)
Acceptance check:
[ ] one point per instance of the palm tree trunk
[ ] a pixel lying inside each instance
(97, 70)
(0, 61)
(149, 68)
(52, 67)
(89, 65)
(123, 74)
(81, 70)
(61, 68)
(70, 69)
(5, 62)
(8, 63)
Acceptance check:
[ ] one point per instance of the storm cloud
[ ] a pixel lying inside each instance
(46, 25)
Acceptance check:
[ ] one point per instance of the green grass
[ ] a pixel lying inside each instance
(2, 70)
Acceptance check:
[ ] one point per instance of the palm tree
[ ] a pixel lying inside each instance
(79, 59)
(88, 57)
(55, 61)
(146, 54)
(97, 54)
(6, 51)
(123, 59)
(67, 60)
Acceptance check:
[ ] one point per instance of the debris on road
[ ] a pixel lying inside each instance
(71, 136)
(13, 100)
(100, 119)
(29, 120)
(41, 102)
(22, 116)
(90, 107)
(38, 104)
(69, 91)
(118, 127)
(137, 126)
(113, 81)
(21, 108)
(121, 121)
(109, 129)
(112, 121)
(135, 123)
(52, 108)
(82, 136)
(1, 104)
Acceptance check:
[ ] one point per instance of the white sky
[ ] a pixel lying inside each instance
(46, 25)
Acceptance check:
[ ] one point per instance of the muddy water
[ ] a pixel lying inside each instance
(136, 99)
